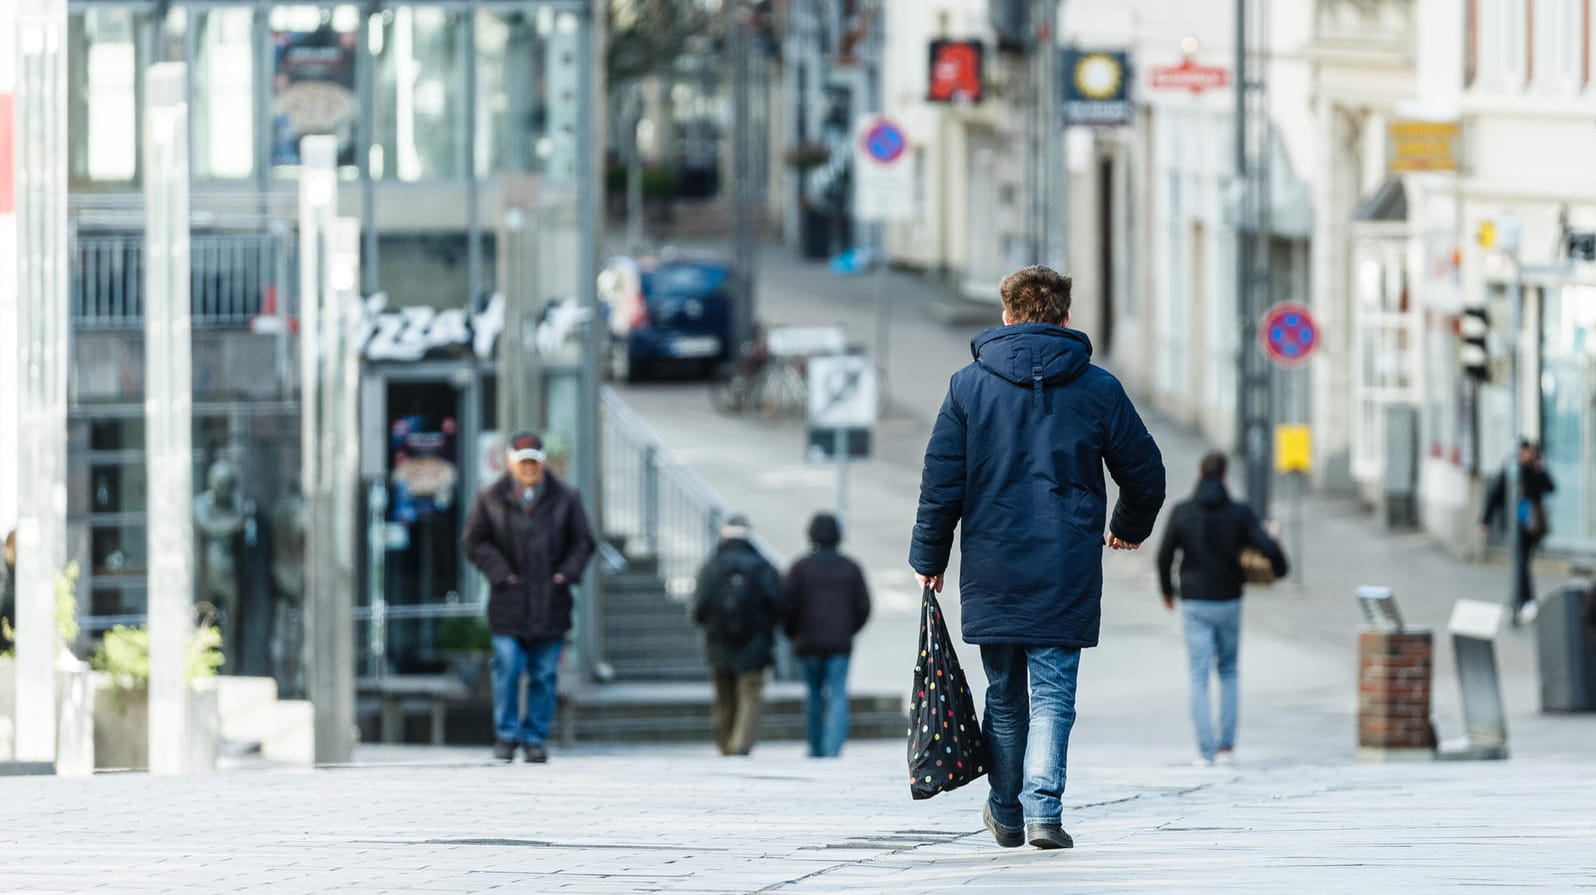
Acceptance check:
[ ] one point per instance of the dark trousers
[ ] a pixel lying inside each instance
(738, 699)
(1524, 584)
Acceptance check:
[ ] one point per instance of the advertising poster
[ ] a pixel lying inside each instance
(313, 92)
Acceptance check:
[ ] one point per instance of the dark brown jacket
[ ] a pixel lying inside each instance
(520, 552)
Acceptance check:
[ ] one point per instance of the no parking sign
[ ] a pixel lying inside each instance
(1289, 334)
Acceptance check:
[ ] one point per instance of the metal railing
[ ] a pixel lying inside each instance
(235, 278)
(653, 501)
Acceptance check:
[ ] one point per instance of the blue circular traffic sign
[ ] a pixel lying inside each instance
(885, 142)
(1289, 334)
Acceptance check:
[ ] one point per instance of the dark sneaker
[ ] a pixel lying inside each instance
(1048, 836)
(536, 753)
(504, 751)
(1005, 837)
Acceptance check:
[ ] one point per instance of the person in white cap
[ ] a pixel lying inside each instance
(527, 533)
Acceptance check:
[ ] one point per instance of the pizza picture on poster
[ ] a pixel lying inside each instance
(313, 91)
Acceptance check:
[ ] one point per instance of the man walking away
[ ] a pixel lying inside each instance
(1529, 522)
(1017, 456)
(738, 605)
(1209, 532)
(827, 602)
(527, 533)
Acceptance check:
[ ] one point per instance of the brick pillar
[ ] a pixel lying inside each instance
(1394, 696)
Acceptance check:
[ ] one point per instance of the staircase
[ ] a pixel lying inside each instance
(648, 633)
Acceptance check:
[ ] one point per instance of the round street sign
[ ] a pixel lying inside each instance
(1289, 334)
(884, 142)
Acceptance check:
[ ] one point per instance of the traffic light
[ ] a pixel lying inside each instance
(1472, 327)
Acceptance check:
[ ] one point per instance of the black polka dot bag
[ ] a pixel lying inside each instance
(946, 748)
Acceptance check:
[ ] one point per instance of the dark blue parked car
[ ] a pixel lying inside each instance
(667, 314)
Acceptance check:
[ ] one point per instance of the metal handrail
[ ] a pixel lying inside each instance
(235, 277)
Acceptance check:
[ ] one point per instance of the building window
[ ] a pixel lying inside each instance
(224, 94)
(1386, 350)
(1558, 44)
(1504, 43)
(103, 62)
(421, 54)
(512, 90)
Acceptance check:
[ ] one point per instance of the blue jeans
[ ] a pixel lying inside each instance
(1213, 639)
(539, 661)
(1027, 729)
(827, 710)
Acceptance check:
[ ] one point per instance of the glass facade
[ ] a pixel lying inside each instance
(1568, 412)
(432, 104)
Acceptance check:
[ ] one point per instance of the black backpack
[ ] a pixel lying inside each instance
(734, 608)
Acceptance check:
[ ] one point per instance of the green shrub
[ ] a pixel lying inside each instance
(66, 612)
(124, 654)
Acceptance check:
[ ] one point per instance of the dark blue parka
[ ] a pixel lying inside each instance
(1017, 455)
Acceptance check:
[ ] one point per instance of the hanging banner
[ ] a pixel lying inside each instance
(313, 91)
(1097, 88)
(957, 75)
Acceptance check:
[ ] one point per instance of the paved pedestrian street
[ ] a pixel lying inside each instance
(678, 819)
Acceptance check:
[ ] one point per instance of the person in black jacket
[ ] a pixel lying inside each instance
(1015, 463)
(827, 602)
(1529, 522)
(529, 536)
(1209, 532)
(738, 604)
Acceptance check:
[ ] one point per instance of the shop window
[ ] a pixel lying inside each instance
(1385, 352)
(420, 58)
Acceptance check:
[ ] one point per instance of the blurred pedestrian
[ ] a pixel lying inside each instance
(528, 534)
(827, 602)
(1209, 532)
(738, 605)
(1017, 456)
(1529, 521)
(8, 592)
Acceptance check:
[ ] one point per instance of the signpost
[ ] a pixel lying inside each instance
(1289, 335)
(883, 191)
(1294, 457)
(842, 410)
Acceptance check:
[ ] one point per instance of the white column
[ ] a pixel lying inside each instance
(168, 396)
(10, 339)
(318, 195)
(41, 193)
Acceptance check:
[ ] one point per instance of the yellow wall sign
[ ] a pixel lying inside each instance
(1421, 146)
(1293, 448)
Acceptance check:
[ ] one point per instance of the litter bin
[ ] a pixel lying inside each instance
(1567, 655)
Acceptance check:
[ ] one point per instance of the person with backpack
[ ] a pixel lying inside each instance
(1209, 531)
(827, 602)
(738, 605)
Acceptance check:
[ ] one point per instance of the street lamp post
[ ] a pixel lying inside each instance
(168, 395)
(41, 305)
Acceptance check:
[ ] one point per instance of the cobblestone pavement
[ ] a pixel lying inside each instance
(641, 819)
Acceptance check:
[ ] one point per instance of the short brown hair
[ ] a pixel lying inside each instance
(1036, 294)
(1213, 465)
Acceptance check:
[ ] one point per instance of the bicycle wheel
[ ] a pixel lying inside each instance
(730, 395)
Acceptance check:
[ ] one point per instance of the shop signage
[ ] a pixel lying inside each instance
(956, 71)
(410, 334)
(1188, 75)
(1414, 146)
(1096, 89)
(313, 91)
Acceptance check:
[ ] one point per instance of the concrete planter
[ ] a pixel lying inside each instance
(122, 726)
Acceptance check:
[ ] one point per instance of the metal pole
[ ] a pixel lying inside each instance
(588, 435)
(840, 447)
(745, 237)
(10, 332)
(168, 419)
(634, 169)
(42, 312)
(1513, 486)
